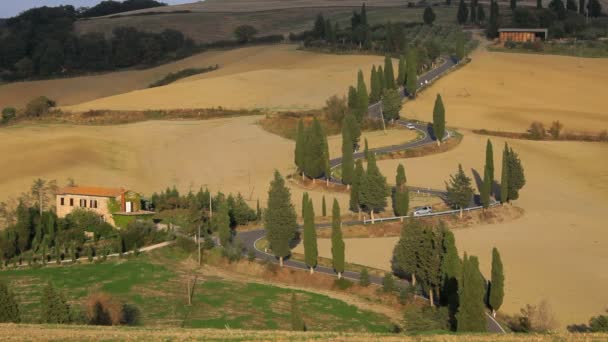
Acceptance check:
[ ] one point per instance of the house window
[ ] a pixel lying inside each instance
(83, 203)
(71, 202)
(62, 200)
(93, 203)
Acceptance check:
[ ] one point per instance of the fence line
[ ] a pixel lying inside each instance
(441, 213)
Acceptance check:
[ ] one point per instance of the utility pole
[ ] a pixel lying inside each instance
(210, 208)
(382, 118)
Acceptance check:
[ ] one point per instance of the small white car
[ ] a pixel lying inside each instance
(421, 211)
(410, 126)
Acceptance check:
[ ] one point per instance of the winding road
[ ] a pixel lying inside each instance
(250, 238)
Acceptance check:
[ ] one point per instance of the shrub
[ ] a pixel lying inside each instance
(509, 44)
(8, 114)
(186, 244)
(39, 106)
(104, 309)
(599, 323)
(419, 319)
(603, 136)
(251, 255)
(555, 130)
(388, 283)
(140, 233)
(174, 76)
(232, 252)
(9, 309)
(336, 108)
(533, 318)
(245, 33)
(343, 283)
(364, 278)
(537, 131)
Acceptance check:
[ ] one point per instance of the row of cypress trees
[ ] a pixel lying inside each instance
(368, 187)
(429, 257)
(512, 176)
(312, 151)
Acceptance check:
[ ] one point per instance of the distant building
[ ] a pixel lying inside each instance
(521, 35)
(107, 202)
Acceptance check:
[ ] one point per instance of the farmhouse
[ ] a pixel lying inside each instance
(112, 204)
(521, 35)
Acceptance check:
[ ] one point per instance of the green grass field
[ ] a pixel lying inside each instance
(152, 284)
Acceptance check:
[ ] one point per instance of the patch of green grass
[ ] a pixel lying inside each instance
(152, 284)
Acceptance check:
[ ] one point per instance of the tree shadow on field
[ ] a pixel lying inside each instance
(479, 184)
(430, 131)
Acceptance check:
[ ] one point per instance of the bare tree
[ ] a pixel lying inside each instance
(42, 192)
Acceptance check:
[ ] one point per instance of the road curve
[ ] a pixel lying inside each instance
(249, 238)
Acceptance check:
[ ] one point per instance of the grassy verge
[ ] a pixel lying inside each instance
(587, 49)
(602, 136)
(175, 76)
(156, 287)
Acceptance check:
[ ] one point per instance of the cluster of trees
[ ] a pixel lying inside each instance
(37, 107)
(100, 308)
(41, 42)
(474, 13)
(428, 256)
(107, 7)
(368, 186)
(512, 178)
(312, 151)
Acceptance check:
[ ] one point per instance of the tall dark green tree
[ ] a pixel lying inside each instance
(374, 95)
(323, 207)
(355, 199)
(463, 13)
(504, 179)
(517, 179)
(373, 189)
(352, 99)
(488, 176)
(362, 98)
(493, 22)
(280, 218)
(353, 127)
(438, 120)
(513, 5)
(406, 251)
(337, 243)
(481, 14)
(451, 270)
(497, 283)
(221, 222)
(314, 153)
(391, 104)
(54, 307)
(300, 151)
(412, 72)
(473, 11)
(305, 199)
(389, 74)
(429, 257)
(401, 200)
(459, 190)
(9, 309)
(471, 310)
(318, 30)
(594, 7)
(348, 161)
(297, 322)
(311, 252)
(428, 16)
(401, 72)
(326, 162)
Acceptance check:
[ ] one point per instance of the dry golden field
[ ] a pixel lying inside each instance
(267, 77)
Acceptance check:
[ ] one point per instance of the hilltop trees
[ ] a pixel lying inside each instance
(337, 243)
(471, 310)
(401, 194)
(497, 283)
(373, 191)
(488, 176)
(310, 237)
(459, 190)
(512, 178)
(280, 218)
(438, 120)
(9, 309)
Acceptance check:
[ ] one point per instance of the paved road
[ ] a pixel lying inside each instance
(250, 238)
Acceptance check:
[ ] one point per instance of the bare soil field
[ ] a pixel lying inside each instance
(556, 251)
(507, 92)
(274, 78)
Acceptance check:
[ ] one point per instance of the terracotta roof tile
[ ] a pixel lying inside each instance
(91, 191)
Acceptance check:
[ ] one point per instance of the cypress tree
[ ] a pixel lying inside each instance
(381, 80)
(451, 270)
(297, 322)
(401, 200)
(348, 161)
(364, 278)
(429, 257)
(9, 309)
(463, 13)
(323, 207)
(539, 5)
(389, 74)
(315, 152)
(401, 72)
(438, 120)
(300, 148)
(405, 260)
(391, 104)
(353, 127)
(258, 211)
(492, 28)
(355, 202)
(280, 218)
(481, 14)
(352, 99)
(473, 11)
(412, 72)
(504, 179)
(366, 150)
(337, 243)
(373, 189)
(517, 179)
(488, 176)
(490, 161)
(221, 221)
(326, 163)
(305, 200)
(374, 95)
(459, 190)
(55, 309)
(513, 5)
(497, 291)
(362, 98)
(311, 252)
(471, 310)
